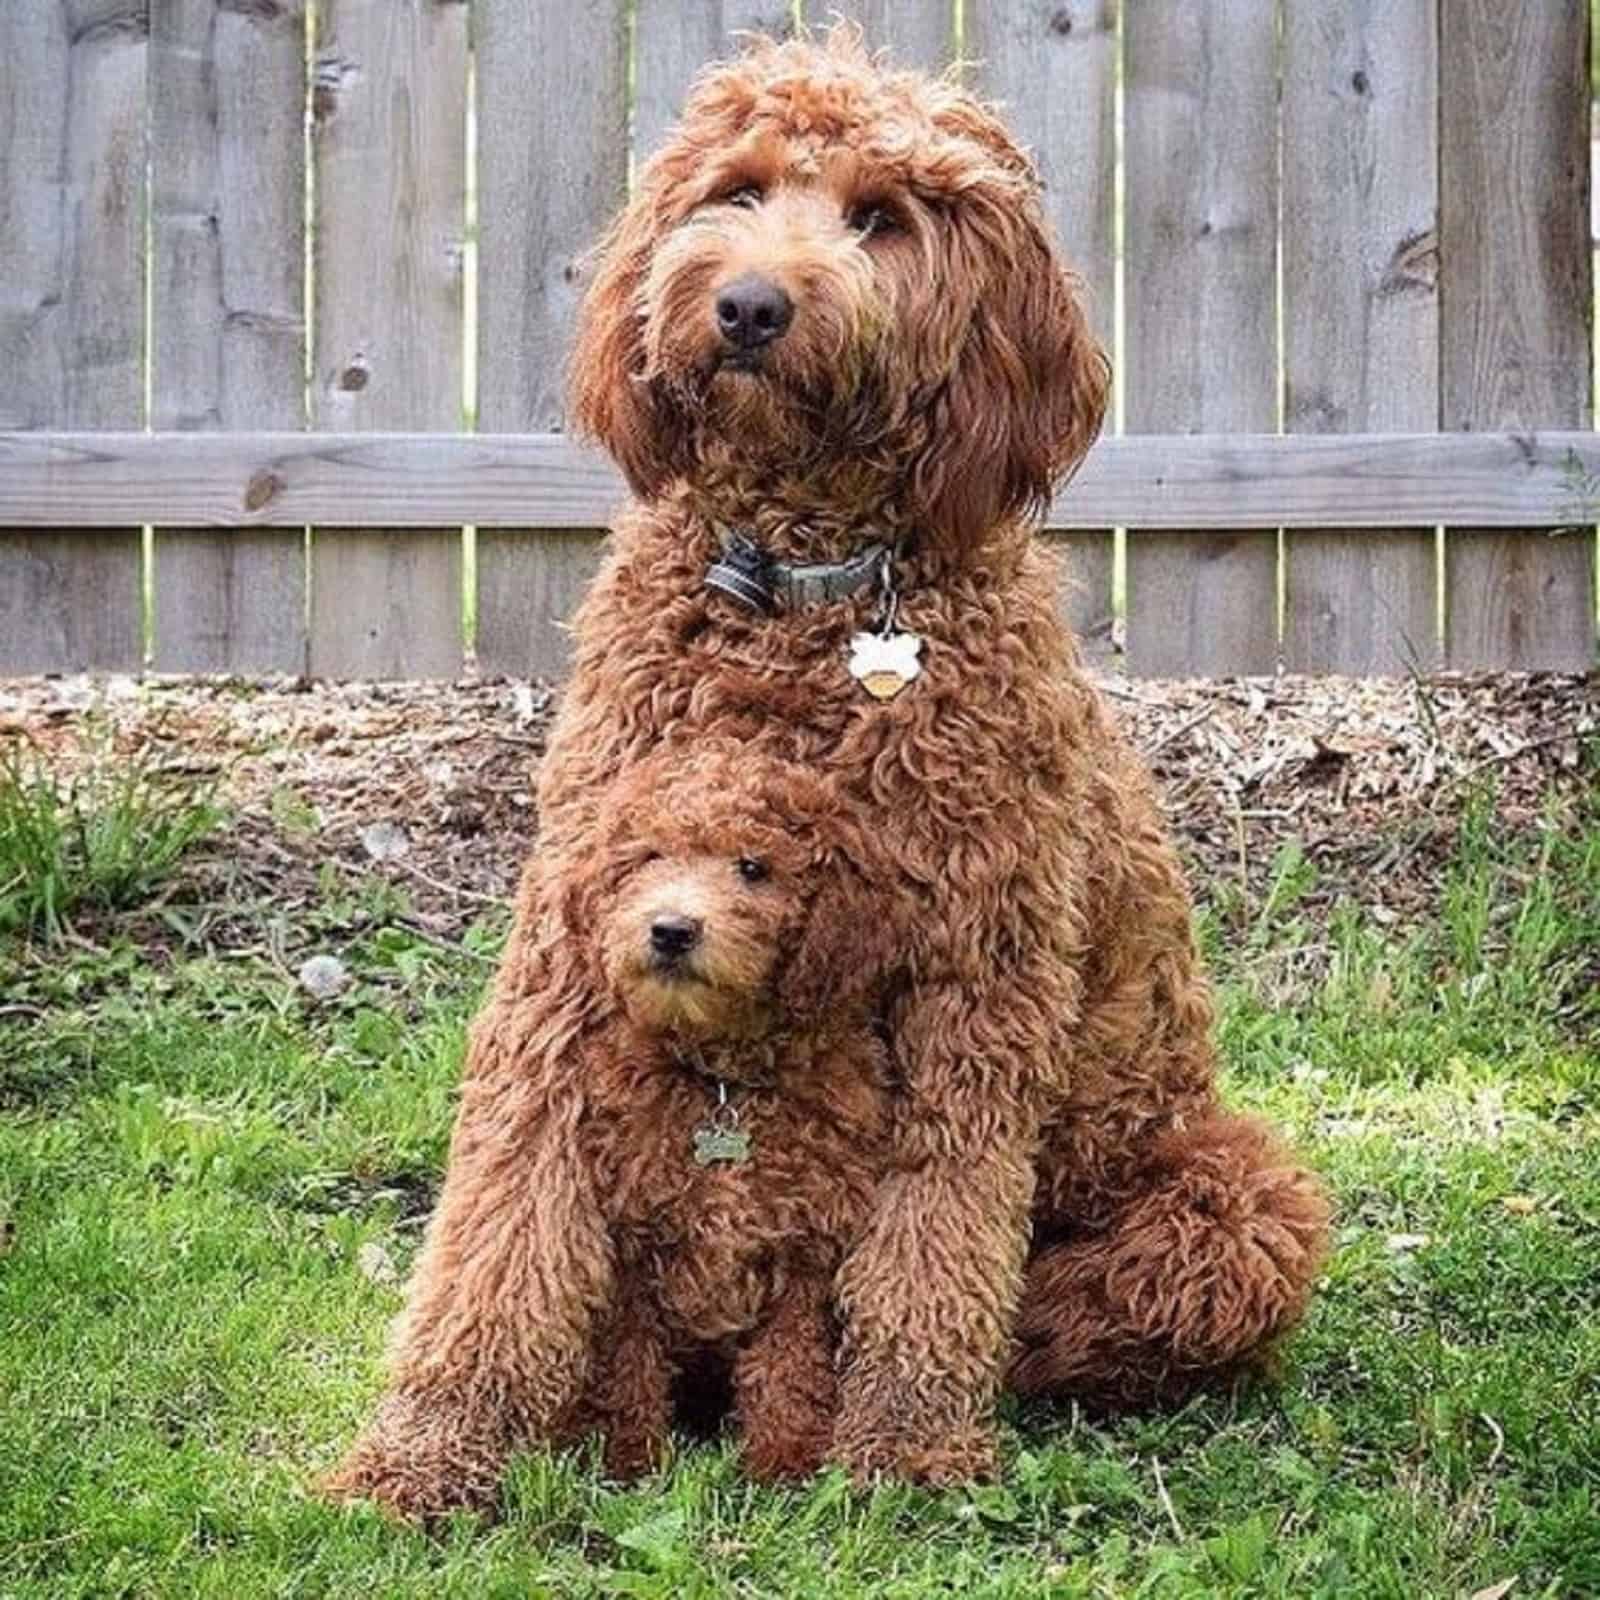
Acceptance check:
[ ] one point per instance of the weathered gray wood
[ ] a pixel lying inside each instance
(1053, 67)
(1361, 601)
(916, 33)
(552, 168)
(537, 579)
(389, 131)
(1517, 298)
(1513, 480)
(1360, 309)
(1201, 207)
(386, 603)
(71, 315)
(69, 601)
(228, 210)
(1088, 574)
(672, 42)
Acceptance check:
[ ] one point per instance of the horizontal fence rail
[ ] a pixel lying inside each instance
(548, 481)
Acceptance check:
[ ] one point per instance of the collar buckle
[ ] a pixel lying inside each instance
(746, 572)
(750, 575)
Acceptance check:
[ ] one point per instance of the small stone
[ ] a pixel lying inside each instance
(1402, 1243)
(323, 977)
(384, 841)
(376, 1265)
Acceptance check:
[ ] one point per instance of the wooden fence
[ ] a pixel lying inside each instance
(1340, 250)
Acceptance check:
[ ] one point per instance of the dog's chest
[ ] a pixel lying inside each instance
(717, 1238)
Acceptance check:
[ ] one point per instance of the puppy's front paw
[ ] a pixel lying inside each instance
(771, 1456)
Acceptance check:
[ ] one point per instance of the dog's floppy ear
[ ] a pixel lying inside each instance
(611, 401)
(1028, 389)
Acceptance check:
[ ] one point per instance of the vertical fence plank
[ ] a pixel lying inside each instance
(1517, 297)
(916, 33)
(1201, 206)
(553, 166)
(389, 122)
(674, 42)
(227, 164)
(72, 310)
(1053, 65)
(1360, 310)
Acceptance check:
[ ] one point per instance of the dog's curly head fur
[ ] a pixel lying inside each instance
(728, 896)
(922, 348)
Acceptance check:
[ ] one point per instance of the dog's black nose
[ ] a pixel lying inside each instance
(753, 311)
(674, 936)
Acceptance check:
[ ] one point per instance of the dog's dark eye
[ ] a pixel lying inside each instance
(871, 221)
(747, 197)
(751, 870)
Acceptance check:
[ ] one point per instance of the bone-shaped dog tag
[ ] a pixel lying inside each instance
(713, 1145)
(884, 663)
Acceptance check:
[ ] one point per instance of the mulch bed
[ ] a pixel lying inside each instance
(432, 785)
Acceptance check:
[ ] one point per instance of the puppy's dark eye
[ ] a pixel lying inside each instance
(873, 220)
(747, 197)
(751, 870)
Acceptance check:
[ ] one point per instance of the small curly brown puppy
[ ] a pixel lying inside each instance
(738, 1107)
(831, 323)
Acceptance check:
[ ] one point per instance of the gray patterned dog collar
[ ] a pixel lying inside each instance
(757, 579)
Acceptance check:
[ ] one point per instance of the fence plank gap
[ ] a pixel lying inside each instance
(1201, 208)
(71, 318)
(228, 210)
(1517, 294)
(1360, 310)
(389, 136)
(552, 168)
(1053, 67)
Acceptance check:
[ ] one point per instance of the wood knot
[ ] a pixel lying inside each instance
(1061, 21)
(1360, 82)
(354, 377)
(263, 487)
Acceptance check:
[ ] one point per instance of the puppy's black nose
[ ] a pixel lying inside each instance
(753, 311)
(674, 936)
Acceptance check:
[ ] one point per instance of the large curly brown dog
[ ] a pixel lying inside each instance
(830, 317)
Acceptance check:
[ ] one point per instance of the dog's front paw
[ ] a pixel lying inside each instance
(419, 1466)
(939, 1458)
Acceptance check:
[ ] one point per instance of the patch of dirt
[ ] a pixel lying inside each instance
(430, 786)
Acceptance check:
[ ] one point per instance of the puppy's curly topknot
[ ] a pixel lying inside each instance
(831, 315)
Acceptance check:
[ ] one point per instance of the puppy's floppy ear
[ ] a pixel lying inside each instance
(846, 947)
(1028, 390)
(610, 399)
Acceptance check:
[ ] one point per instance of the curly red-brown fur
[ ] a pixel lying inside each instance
(1026, 1140)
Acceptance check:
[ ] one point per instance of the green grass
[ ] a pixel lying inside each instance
(102, 839)
(193, 1158)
